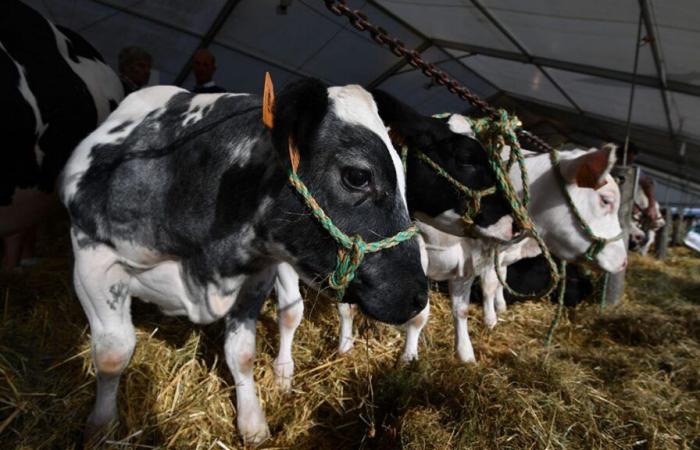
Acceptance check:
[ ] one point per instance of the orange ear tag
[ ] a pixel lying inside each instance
(268, 102)
(293, 155)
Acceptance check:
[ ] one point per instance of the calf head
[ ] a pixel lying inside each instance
(448, 143)
(596, 196)
(346, 160)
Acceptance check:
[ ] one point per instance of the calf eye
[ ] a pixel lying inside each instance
(606, 201)
(355, 178)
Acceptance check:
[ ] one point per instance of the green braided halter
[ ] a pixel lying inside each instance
(352, 250)
(598, 243)
(472, 196)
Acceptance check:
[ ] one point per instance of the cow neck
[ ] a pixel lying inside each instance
(351, 249)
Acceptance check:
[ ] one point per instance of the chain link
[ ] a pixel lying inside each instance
(360, 21)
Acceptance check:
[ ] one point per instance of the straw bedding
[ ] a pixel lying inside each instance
(628, 378)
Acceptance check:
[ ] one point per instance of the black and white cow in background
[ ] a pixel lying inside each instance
(55, 89)
(451, 257)
(182, 200)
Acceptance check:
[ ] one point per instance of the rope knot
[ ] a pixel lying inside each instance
(595, 248)
(347, 263)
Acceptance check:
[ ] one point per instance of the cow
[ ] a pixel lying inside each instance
(184, 201)
(57, 89)
(459, 259)
(643, 228)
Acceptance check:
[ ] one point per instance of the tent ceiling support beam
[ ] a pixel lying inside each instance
(658, 161)
(514, 40)
(641, 80)
(208, 37)
(660, 70)
(393, 70)
(191, 33)
(403, 23)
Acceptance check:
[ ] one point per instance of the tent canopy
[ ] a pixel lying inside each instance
(566, 67)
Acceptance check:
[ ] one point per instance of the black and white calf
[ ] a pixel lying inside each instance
(182, 200)
(55, 89)
(431, 199)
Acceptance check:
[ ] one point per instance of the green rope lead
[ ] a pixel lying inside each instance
(560, 304)
(604, 292)
(352, 249)
(473, 196)
(494, 135)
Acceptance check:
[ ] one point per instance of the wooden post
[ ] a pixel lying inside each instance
(677, 229)
(627, 180)
(663, 234)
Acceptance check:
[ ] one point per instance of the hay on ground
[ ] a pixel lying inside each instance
(629, 378)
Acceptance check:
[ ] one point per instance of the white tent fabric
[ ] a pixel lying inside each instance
(570, 61)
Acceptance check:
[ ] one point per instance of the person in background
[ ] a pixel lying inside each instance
(204, 66)
(646, 183)
(134, 68)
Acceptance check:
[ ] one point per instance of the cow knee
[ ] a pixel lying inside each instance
(421, 319)
(291, 316)
(460, 311)
(112, 354)
(244, 361)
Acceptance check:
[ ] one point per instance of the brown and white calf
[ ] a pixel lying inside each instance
(643, 228)
(183, 201)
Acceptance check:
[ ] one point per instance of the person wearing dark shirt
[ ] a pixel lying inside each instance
(134, 68)
(204, 66)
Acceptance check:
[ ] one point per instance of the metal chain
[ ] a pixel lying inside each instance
(360, 21)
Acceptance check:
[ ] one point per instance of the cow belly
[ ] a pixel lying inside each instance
(445, 262)
(163, 286)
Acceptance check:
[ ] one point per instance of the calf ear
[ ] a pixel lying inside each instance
(298, 111)
(590, 169)
(406, 125)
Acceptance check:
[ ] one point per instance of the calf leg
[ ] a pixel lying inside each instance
(240, 355)
(500, 299)
(489, 287)
(290, 310)
(347, 337)
(459, 295)
(102, 287)
(413, 330)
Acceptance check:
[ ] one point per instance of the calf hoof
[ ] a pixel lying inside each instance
(346, 344)
(409, 357)
(96, 434)
(490, 320)
(283, 374)
(254, 433)
(466, 356)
